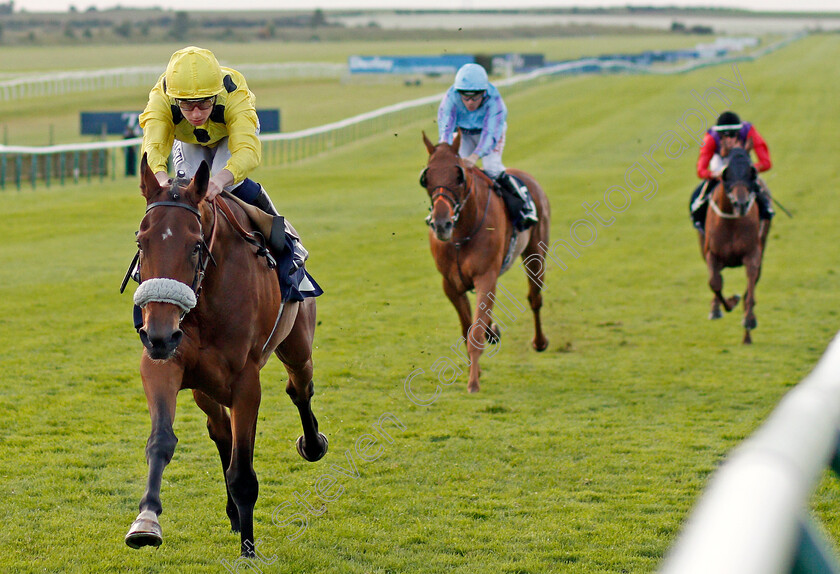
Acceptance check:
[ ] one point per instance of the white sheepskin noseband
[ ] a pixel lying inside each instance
(161, 290)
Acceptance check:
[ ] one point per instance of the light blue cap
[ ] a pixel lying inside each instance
(471, 78)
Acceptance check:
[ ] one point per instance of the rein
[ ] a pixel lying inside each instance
(471, 185)
(255, 238)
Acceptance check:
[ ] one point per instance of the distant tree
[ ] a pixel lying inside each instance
(180, 26)
(87, 34)
(69, 32)
(123, 30)
(318, 18)
(1, 33)
(73, 9)
(91, 9)
(144, 29)
(269, 31)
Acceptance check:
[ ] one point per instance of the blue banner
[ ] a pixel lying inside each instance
(125, 123)
(428, 65)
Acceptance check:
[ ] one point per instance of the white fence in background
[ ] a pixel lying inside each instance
(753, 518)
(74, 161)
(59, 83)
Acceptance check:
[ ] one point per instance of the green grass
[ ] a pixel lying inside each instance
(586, 458)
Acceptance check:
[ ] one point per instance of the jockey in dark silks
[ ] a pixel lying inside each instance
(729, 132)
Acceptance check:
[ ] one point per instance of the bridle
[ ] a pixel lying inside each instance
(727, 189)
(204, 255)
(449, 194)
(165, 290)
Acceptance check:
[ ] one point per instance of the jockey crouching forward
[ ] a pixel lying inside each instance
(475, 106)
(199, 111)
(730, 132)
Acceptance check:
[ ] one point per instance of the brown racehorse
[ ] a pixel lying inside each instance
(732, 236)
(470, 235)
(212, 317)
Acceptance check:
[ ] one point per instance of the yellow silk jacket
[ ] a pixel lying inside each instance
(234, 116)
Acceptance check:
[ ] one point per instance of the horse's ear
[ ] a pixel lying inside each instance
(201, 179)
(149, 186)
(429, 145)
(456, 143)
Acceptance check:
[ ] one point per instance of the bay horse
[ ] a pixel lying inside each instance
(470, 237)
(212, 317)
(732, 236)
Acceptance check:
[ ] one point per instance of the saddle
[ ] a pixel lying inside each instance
(289, 255)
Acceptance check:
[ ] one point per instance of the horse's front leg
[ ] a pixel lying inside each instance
(296, 353)
(461, 303)
(218, 426)
(240, 476)
(477, 336)
(161, 383)
(716, 285)
(753, 268)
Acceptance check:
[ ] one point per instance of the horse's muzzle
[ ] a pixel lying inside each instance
(160, 345)
(443, 229)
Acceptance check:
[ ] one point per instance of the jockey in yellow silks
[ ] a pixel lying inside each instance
(198, 111)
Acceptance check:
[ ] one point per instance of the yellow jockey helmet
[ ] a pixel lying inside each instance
(193, 73)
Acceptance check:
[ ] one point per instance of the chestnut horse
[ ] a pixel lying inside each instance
(470, 235)
(732, 236)
(212, 317)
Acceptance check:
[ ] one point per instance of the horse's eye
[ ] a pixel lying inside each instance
(197, 249)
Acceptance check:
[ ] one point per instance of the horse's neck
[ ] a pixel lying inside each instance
(473, 207)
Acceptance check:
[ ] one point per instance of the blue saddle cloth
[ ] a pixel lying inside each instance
(296, 284)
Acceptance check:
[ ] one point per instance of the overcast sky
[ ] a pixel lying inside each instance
(227, 5)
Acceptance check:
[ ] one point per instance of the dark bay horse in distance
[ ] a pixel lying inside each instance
(470, 235)
(212, 317)
(732, 236)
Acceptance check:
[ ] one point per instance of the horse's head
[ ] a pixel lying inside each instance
(173, 256)
(446, 181)
(738, 179)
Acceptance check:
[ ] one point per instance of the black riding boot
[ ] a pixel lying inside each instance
(520, 206)
(263, 201)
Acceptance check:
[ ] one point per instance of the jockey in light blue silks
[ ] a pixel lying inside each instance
(475, 106)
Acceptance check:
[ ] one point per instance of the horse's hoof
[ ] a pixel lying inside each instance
(750, 324)
(540, 346)
(715, 314)
(144, 531)
(472, 388)
(300, 445)
(493, 334)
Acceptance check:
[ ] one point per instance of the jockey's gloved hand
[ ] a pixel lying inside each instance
(471, 160)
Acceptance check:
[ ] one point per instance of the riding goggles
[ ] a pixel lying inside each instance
(203, 104)
(472, 96)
